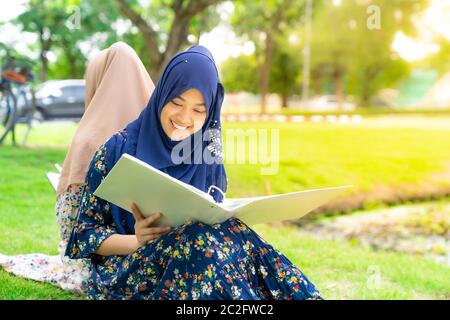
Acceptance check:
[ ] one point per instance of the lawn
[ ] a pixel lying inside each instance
(311, 156)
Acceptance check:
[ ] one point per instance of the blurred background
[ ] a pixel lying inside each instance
(273, 55)
(358, 89)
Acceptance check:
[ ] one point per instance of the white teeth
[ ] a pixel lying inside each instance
(178, 127)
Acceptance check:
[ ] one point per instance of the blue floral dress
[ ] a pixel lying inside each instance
(193, 261)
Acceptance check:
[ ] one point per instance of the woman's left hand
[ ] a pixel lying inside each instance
(143, 229)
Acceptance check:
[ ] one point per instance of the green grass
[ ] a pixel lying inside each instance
(385, 164)
(14, 288)
(316, 155)
(312, 155)
(365, 111)
(372, 111)
(342, 270)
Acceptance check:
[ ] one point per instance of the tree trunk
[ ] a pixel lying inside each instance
(155, 67)
(71, 57)
(265, 71)
(367, 91)
(45, 47)
(284, 100)
(73, 66)
(317, 78)
(177, 38)
(337, 79)
(365, 96)
(284, 94)
(44, 66)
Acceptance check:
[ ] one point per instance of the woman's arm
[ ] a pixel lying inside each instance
(125, 244)
(94, 231)
(118, 245)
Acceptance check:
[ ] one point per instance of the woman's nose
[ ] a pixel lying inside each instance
(184, 117)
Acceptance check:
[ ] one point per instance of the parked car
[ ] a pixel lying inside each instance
(60, 99)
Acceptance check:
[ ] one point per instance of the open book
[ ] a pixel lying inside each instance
(53, 177)
(132, 180)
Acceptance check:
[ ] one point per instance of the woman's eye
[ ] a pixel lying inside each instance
(177, 104)
(199, 111)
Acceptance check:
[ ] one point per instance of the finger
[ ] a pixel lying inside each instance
(136, 212)
(161, 229)
(151, 219)
(145, 238)
(149, 238)
(147, 231)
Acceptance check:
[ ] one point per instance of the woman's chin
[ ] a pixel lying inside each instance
(176, 135)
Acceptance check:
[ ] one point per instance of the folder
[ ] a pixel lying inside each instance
(132, 180)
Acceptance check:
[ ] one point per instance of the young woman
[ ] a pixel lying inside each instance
(117, 90)
(133, 259)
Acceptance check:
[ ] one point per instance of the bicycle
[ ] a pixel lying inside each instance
(15, 86)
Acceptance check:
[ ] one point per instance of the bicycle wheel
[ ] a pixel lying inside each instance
(7, 113)
(26, 113)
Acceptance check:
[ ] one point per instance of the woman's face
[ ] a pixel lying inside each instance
(183, 115)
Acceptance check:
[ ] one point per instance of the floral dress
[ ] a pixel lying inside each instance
(194, 261)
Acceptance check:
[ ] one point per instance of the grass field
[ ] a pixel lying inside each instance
(367, 110)
(312, 156)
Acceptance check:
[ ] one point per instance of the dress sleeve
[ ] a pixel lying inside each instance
(94, 223)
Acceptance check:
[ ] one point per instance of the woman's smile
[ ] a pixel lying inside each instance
(179, 126)
(183, 115)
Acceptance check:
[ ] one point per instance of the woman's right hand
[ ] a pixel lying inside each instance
(143, 229)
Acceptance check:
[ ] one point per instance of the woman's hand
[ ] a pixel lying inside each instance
(142, 228)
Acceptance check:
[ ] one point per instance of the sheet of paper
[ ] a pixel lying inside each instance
(58, 167)
(288, 206)
(132, 180)
(54, 179)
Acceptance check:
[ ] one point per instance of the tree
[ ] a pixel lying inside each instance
(45, 19)
(165, 26)
(87, 18)
(262, 22)
(286, 69)
(440, 61)
(61, 25)
(241, 73)
(357, 58)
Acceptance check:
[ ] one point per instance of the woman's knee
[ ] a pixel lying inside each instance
(193, 228)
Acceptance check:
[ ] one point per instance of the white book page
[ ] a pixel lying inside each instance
(54, 179)
(132, 180)
(230, 204)
(287, 206)
(58, 167)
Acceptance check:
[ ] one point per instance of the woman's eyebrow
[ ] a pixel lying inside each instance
(197, 104)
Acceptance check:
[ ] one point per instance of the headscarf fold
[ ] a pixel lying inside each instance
(117, 90)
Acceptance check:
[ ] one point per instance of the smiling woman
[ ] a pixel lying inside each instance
(133, 259)
(184, 115)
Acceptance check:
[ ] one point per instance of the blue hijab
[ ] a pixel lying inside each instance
(199, 158)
